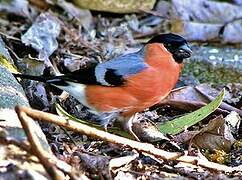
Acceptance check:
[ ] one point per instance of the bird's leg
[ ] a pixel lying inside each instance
(127, 122)
(108, 118)
(128, 125)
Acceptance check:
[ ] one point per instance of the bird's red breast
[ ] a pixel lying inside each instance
(141, 90)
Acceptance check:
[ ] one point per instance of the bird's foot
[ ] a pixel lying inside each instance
(128, 126)
(107, 119)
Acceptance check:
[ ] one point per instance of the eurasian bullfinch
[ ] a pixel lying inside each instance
(128, 83)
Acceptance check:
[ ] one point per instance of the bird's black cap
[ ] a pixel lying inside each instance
(175, 44)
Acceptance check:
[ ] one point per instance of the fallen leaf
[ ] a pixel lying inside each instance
(190, 98)
(121, 161)
(219, 133)
(179, 124)
(125, 175)
(42, 36)
(60, 111)
(148, 132)
(95, 163)
(187, 93)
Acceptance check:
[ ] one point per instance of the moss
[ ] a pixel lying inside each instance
(219, 156)
(206, 72)
(4, 62)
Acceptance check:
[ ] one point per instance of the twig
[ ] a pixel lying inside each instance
(93, 132)
(9, 37)
(149, 33)
(155, 13)
(13, 53)
(144, 147)
(68, 134)
(36, 147)
(51, 164)
(208, 164)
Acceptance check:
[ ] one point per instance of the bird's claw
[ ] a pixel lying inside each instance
(128, 126)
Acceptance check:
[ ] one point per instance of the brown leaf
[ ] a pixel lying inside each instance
(190, 98)
(148, 132)
(121, 161)
(218, 134)
(96, 163)
(185, 136)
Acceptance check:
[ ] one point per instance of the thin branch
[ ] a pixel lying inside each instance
(208, 164)
(143, 147)
(36, 147)
(99, 134)
(51, 164)
(9, 37)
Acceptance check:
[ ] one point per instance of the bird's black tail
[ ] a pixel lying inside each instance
(35, 78)
(54, 80)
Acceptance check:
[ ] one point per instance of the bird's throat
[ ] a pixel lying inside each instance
(158, 56)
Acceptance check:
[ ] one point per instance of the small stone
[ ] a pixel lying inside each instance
(213, 51)
(236, 57)
(116, 6)
(212, 57)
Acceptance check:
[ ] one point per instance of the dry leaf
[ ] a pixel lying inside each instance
(219, 133)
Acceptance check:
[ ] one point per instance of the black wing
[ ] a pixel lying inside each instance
(88, 76)
(109, 73)
(82, 76)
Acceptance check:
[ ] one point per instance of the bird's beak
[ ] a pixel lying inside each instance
(184, 51)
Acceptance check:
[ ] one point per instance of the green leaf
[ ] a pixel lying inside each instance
(179, 124)
(61, 112)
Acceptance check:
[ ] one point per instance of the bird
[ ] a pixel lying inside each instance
(127, 84)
